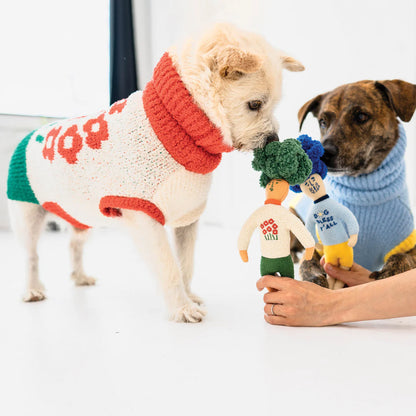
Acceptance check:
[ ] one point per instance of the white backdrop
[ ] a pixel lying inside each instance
(337, 41)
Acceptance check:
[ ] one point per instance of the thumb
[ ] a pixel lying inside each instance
(336, 272)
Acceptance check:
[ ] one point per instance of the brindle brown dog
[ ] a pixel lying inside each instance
(359, 127)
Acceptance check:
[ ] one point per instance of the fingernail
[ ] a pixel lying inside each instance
(329, 266)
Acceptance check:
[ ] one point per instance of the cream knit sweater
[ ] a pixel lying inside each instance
(152, 152)
(275, 224)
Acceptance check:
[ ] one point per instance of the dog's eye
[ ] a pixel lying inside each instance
(254, 105)
(361, 117)
(322, 123)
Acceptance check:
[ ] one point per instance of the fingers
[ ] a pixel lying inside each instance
(273, 309)
(335, 272)
(274, 297)
(275, 320)
(277, 283)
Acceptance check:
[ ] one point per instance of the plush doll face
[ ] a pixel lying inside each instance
(277, 189)
(314, 187)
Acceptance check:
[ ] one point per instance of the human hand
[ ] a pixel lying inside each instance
(352, 241)
(297, 303)
(244, 255)
(358, 275)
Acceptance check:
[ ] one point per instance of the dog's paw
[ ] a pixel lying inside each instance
(319, 280)
(195, 298)
(191, 312)
(34, 295)
(82, 279)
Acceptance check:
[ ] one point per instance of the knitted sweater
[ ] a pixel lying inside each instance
(331, 221)
(153, 152)
(380, 202)
(274, 223)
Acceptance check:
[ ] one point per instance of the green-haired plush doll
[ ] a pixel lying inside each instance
(282, 164)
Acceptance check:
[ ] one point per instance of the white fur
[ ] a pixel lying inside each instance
(223, 71)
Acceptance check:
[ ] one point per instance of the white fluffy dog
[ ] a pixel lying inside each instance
(148, 160)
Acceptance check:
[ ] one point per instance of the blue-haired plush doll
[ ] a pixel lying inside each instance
(331, 224)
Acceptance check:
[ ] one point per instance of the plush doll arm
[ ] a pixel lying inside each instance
(352, 241)
(245, 236)
(351, 225)
(311, 227)
(303, 235)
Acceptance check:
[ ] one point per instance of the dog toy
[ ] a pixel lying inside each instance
(332, 224)
(282, 164)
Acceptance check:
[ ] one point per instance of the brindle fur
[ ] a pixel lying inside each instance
(360, 146)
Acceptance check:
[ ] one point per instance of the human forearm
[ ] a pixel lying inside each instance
(389, 298)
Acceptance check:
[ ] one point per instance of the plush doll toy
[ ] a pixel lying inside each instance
(282, 164)
(332, 224)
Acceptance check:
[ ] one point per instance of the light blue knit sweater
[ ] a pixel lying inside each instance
(379, 201)
(334, 223)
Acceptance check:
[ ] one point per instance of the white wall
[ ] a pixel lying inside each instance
(338, 42)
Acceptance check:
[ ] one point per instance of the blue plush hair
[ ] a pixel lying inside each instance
(315, 150)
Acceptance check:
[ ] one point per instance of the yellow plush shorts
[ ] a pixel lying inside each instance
(339, 254)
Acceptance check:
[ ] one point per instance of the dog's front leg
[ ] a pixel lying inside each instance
(185, 244)
(312, 271)
(152, 239)
(397, 263)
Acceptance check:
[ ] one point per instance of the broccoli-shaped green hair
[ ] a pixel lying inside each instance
(286, 160)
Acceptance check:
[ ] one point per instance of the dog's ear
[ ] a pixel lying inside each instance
(400, 95)
(312, 105)
(233, 62)
(291, 64)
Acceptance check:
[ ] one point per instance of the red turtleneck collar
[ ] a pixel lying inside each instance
(182, 127)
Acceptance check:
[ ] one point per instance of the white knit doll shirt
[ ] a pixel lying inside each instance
(275, 224)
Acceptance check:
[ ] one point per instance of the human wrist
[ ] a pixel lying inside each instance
(339, 307)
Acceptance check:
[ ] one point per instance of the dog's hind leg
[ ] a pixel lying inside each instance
(185, 244)
(78, 239)
(152, 240)
(395, 264)
(27, 220)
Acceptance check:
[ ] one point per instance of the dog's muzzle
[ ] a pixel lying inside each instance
(273, 137)
(330, 153)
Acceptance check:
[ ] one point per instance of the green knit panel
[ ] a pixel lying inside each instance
(18, 186)
(281, 265)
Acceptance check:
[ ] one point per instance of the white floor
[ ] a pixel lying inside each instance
(109, 350)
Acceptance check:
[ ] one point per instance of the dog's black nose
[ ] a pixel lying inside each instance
(273, 137)
(331, 152)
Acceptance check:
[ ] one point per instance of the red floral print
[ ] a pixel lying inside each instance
(118, 106)
(69, 144)
(97, 131)
(48, 151)
(270, 229)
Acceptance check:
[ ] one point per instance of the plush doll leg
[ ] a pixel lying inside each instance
(78, 239)
(281, 265)
(27, 221)
(185, 244)
(152, 240)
